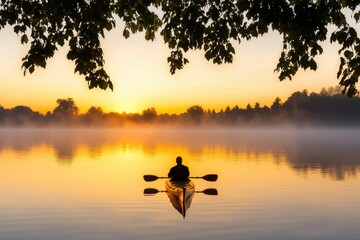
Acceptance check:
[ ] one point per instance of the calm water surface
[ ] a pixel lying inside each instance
(87, 184)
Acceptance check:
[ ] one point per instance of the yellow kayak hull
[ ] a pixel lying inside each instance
(180, 194)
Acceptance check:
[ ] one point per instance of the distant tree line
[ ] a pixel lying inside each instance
(327, 108)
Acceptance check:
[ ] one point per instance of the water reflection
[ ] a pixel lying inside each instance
(98, 193)
(334, 153)
(177, 201)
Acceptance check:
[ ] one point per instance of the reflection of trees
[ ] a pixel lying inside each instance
(64, 142)
(65, 150)
(332, 152)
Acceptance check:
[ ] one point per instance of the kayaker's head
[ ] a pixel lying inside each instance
(179, 160)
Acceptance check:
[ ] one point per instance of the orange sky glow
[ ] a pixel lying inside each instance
(141, 77)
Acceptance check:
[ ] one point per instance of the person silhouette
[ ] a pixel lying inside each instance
(179, 172)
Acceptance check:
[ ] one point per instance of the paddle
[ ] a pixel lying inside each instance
(208, 191)
(209, 177)
(151, 191)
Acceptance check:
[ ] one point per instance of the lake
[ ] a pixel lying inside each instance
(88, 184)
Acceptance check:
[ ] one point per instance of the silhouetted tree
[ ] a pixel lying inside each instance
(324, 92)
(149, 115)
(331, 91)
(196, 113)
(232, 115)
(66, 111)
(95, 111)
(249, 112)
(48, 118)
(227, 113)
(334, 110)
(114, 119)
(276, 105)
(235, 109)
(328, 108)
(22, 115)
(249, 108)
(94, 116)
(167, 118)
(2, 114)
(187, 25)
(334, 90)
(257, 107)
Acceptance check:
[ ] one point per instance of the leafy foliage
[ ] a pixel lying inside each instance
(213, 26)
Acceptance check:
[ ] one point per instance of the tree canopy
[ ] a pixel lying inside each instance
(212, 26)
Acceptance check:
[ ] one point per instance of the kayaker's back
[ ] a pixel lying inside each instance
(179, 173)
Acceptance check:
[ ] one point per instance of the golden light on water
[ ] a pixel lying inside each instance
(85, 181)
(91, 169)
(123, 157)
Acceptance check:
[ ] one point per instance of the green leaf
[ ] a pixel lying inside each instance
(348, 54)
(172, 43)
(312, 64)
(109, 26)
(126, 33)
(31, 69)
(342, 63)
(357, 16)
(24, 39)
(208, 55)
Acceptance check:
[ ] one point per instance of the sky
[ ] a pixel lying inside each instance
(141, 76)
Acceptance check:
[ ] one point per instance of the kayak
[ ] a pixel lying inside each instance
(180, 194)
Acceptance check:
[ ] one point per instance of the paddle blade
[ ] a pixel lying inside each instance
(150, 178)
(210, 191)
(210, 177)
(150, 191)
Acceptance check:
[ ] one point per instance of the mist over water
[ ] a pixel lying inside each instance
(329, 108)
(332, 151)
(87, 183)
